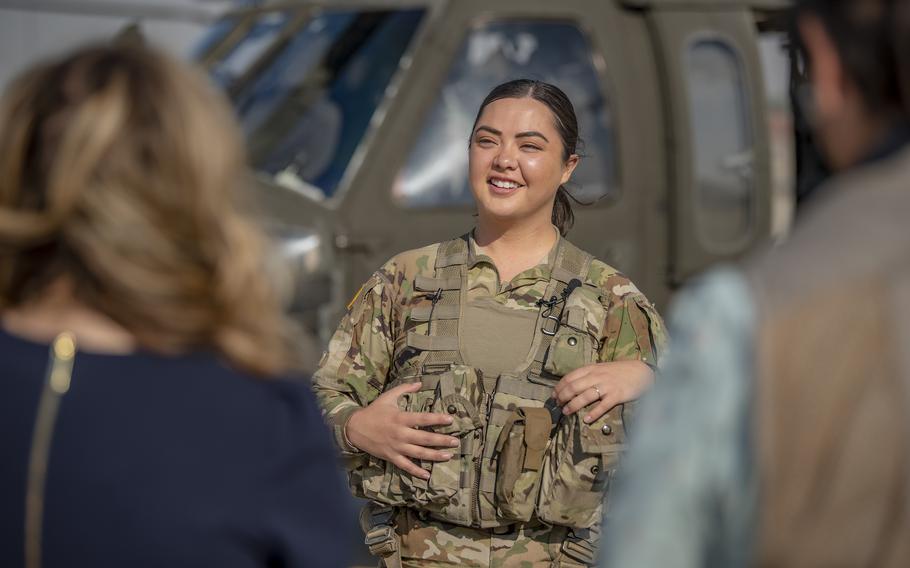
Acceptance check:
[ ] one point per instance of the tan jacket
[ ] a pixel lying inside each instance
(833, 395)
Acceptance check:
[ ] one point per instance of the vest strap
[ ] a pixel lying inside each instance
(432, 342)
(430, 284)
(523, 389)
(452, 253)
(422, 313)
(571, 263)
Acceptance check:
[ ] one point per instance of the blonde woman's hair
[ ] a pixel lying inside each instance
(121, 170)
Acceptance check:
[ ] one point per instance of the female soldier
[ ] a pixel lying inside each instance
(510, 348)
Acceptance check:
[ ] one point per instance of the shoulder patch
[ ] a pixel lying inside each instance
(356, 296)
(371, 283)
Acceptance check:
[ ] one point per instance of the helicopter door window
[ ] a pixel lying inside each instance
(328, 77)
(436, 173)
(722, 142)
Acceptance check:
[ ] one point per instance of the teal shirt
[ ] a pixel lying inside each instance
(687, 495)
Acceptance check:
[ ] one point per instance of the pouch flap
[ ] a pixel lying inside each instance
(537, 427)
(537, 434)
(575, 317)
(585, 311)
(595, 440)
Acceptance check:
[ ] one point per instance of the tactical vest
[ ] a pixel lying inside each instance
(519, 457)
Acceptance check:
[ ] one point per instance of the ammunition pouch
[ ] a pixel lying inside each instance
(578, 469)
(520, 450)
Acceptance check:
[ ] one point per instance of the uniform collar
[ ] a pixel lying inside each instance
(540, 271)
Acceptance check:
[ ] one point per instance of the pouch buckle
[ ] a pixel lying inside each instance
(381, 540)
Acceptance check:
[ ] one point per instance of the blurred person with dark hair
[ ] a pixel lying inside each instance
(780, 434)
(149, 415)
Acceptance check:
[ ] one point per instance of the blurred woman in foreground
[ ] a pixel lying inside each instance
(162, 430)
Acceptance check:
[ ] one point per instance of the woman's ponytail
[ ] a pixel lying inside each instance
(563, 217)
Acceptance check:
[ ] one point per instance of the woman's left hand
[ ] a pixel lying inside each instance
(614, 382)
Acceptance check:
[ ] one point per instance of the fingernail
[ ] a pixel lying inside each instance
(454, 442)
(565, 410)
(449, 420)
(587, 419)
(426, 475)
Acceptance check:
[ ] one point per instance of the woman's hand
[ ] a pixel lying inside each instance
(613, 383)
(387, 432)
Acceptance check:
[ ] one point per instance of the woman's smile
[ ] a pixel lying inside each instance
(503, 186)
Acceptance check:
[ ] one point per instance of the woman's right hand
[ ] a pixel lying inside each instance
(389, 433)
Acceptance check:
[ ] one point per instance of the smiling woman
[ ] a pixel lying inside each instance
(479, 385)
(531, 114)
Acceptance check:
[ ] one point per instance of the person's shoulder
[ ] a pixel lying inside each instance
(610, 280)
(407, 265)
(235, 383)
(286, 400)
(419, 260)
(852, 231)
(723, 294)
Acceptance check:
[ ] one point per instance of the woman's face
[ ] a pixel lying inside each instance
(516, 160)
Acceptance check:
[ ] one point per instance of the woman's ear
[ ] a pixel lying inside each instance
(830, 86)
(569, 168)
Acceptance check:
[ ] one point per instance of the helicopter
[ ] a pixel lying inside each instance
(358, 113)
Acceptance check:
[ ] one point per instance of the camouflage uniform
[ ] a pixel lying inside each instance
(390, 335)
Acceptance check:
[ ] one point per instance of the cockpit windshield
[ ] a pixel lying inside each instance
(306, 85)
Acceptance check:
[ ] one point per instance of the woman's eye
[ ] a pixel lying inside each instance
(485, 142)
(530, 147)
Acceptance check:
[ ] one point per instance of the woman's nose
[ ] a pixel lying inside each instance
(505, 158)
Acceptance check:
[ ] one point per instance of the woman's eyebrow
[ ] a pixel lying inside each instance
(531, 134)
(489, 129)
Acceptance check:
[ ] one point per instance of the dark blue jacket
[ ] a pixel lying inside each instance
(175, 462)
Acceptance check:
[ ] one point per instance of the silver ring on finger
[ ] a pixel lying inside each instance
(599, 394)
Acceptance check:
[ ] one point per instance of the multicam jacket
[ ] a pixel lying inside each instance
(477, 346)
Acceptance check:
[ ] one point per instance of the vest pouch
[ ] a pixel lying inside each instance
(446, 495)
(578, 338)
(578, 468)
(519, 454)
(369, 478)
(569, 350)
(381, 481)
(514, 399)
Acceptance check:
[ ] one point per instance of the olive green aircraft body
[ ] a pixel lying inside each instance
(358, 115)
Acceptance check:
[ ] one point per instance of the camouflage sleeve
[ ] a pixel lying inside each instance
(354, 369)
(634, 330)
